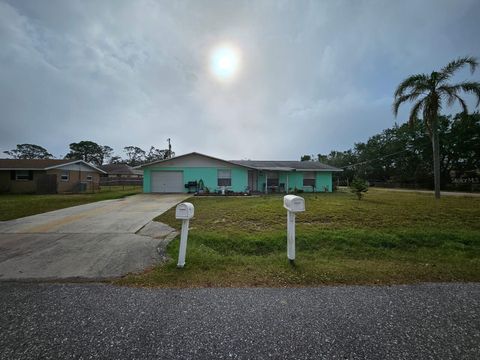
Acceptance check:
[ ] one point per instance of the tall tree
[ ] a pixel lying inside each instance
(403, 154)
(89, 151)
(135, 155)
(428, 93)
(107, 154)
(115, 160)
(29, 151)
(155, 154)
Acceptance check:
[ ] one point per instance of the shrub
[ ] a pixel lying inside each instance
(358, 187)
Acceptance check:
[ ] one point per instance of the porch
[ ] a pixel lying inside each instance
(281, 180)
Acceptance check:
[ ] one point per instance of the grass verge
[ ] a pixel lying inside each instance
(14, 206)
(387, 238)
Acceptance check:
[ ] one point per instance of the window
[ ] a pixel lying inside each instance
(309, 178)
(65, 176)
(89, 177)
(272, 178)
(23, 175)
(224, 177)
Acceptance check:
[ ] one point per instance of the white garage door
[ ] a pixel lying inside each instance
(167, 181)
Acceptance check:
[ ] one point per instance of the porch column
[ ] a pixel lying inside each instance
(286, 187)
(266, 183)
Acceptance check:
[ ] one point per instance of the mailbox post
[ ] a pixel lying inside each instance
(184, 212)
(293, 204)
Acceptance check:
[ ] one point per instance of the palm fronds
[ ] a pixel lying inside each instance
(415, 110)
(447, 71)
(403, 98)
(435, 88)
(473, 88)
(417, 82)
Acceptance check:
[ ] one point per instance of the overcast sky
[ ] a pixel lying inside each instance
(314, 76)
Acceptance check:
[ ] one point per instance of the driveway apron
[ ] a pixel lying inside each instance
(92, 241)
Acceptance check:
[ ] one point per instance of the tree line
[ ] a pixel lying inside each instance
(428, 93)
(94, 153)
(403, 154)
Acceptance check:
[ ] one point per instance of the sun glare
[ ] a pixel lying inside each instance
(224, 62)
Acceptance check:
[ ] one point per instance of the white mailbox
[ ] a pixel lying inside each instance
(294, 203)
(184, 211)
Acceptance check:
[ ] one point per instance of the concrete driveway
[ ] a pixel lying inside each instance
(94, 241)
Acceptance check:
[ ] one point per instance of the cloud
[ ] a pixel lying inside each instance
(315, 76)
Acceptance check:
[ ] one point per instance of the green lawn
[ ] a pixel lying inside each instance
(16, 206)
(387, 238)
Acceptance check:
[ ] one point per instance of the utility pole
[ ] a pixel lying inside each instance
(169, 155)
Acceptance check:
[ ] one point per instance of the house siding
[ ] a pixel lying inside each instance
(295, 180)
(196, 167)
(19, 186)
(323, 179)
(30, 186)
(4, 181)
(207, 174)
(74, 178)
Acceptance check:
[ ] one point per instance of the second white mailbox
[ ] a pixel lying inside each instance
(294, 203)
(184, 211)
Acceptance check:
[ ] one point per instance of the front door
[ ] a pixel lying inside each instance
(252, 180)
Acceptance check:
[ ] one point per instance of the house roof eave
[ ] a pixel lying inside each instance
(188, 154)
(75, 162)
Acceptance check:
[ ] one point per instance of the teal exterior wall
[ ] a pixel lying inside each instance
(239, 179)
(146, 180)
(323, 180)
(295, 180)
(261, 181)
(207, 174)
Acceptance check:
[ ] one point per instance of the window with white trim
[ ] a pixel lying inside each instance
(224, 177)
(89, 177)
(22, 175)
(65, 176)
(309, 178)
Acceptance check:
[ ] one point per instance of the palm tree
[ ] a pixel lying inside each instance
(429, 92)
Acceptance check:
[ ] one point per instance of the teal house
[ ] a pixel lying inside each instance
(194, 171)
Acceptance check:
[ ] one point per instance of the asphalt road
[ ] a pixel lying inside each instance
(93, 241)
(82, 321)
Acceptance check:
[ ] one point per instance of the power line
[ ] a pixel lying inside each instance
(379, 158)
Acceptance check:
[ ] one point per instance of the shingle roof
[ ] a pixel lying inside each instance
(31, 164)
(262, 165)
(39, 164)
(179, 157)
(286, 165)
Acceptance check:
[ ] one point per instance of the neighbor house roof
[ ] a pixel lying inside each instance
(40, 164)
(273, 165)
(120, 169)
